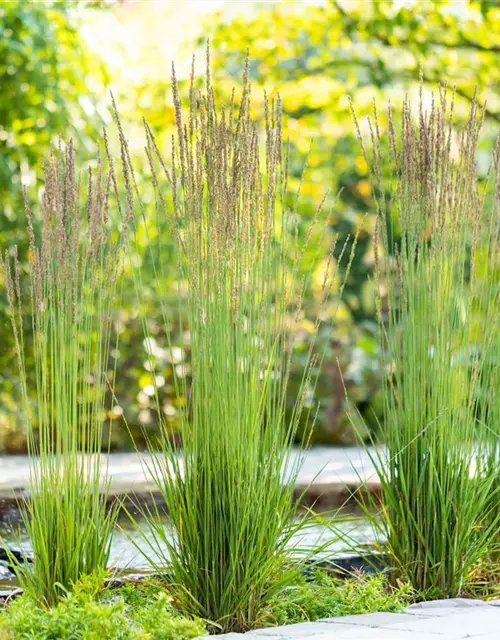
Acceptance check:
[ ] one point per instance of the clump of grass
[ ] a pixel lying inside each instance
(131, 612)
(487, 266)
(326, 597)
(229, 489)
(437, 521)
(73, 271)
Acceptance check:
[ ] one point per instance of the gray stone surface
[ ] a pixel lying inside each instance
(379, 619)
(7, 594)
(302, 630)
(328, 474)
(455, 603)
(441, 620)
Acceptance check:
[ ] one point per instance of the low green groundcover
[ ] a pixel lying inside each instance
(145, 611)
(135, 611)
(322, 596)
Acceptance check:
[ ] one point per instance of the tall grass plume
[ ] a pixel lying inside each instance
(229, 488)
(432, 224)
(73, 271)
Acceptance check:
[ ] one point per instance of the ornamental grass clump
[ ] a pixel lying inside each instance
(437, 492)
(487, 266)
(73, 272)
(229, 488)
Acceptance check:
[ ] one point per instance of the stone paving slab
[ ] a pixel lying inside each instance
(441, 620)
(329, 475)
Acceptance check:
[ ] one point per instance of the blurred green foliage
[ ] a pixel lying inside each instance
(315, 55)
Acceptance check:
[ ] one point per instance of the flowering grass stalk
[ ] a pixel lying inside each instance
(437, 518)
(229, 489)
(73, 271)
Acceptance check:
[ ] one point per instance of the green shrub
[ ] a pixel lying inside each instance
(327, 597)
(134, 612)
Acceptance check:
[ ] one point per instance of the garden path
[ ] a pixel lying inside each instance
(327, 477)
(439, 620)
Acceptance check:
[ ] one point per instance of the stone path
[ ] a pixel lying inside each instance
(328, 475)
(439, 620)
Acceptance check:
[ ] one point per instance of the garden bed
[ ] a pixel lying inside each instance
(135, 605)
